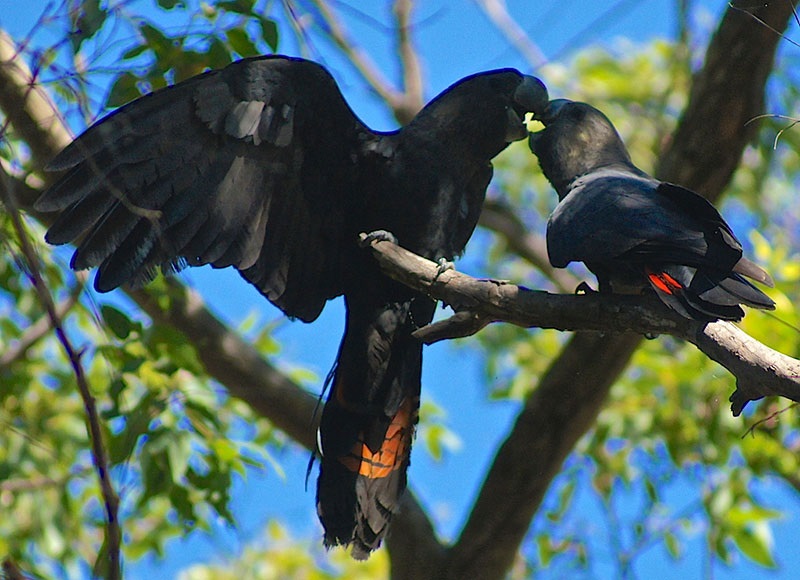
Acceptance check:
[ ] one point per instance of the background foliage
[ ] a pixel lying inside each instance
(666, 462)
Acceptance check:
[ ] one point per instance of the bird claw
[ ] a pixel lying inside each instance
(444, 266)
(379, 236)
(584, 288)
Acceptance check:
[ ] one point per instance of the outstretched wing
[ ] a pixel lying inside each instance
(252, 166)
(612, 213)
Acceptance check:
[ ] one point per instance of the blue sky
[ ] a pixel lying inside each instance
(456, 39)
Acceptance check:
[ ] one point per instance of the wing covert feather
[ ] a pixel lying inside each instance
(610, 215)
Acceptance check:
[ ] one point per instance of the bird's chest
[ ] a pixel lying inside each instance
(431, 209)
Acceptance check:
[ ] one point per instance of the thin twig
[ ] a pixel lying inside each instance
(497, 12)
(21, 484)
(38, 330)
(794, 121)
(359, 58)
(763, 23)
(751, 430)
(113, 539)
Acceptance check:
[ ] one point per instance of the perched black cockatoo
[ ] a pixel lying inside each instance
(632, 230)
(263, 166)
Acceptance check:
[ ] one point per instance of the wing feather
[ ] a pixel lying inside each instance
(613, 213)
(252, 166)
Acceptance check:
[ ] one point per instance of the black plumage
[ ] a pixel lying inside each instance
(263, 166)
(634, 231)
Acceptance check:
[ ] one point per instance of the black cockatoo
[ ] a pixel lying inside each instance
(632, 230)
(263, 166)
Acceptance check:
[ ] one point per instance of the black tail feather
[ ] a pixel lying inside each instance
(704, 295)
(361, 483)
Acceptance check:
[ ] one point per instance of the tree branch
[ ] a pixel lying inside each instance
(759, 370)
(11, 571)
(17, 485)
(570, 394)
(409, 60)
(497, 12)
(38, 330)
(28, 106)
(364, 65)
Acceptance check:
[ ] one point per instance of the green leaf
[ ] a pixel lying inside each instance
(244, 7)
(170, 4)
(124, 90)
(135, 51)
(269, 32)
(225, 449)
(673, 544)
(755, 542)
(546, 551)
(86, 21)
(179, 450)
(154, 37)
(739, 516)
(652, 494)
(218, 55)
(241, 43)
(565, 494)
(117, 321)
(180, 500)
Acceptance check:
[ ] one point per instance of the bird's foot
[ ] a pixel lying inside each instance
(444, 266)
(584, 288)
(377, 235)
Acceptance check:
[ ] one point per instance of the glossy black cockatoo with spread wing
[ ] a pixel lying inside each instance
(263, 166)
(634, 231)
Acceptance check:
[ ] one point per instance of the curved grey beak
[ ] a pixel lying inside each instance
(531, 95)
(550, 110)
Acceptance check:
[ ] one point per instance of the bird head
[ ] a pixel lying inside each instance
(576, 139)
(482, 113)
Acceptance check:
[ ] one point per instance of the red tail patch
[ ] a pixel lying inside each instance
(664, 282)
(392, 452)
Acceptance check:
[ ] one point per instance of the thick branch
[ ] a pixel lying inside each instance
(759, 370)
(728, 93)
(248, 376)
(570, 394)
(28, 106)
